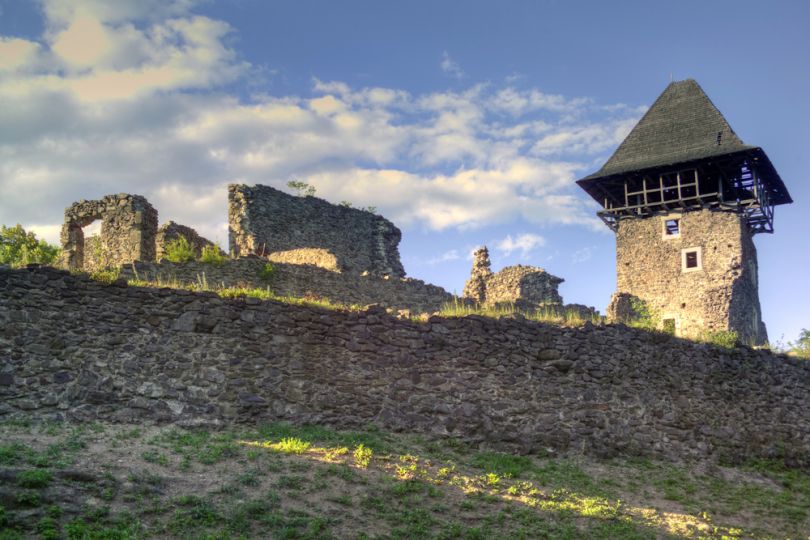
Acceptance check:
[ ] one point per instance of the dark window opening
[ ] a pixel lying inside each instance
(669, 326)
(672, 227)
(691, 259)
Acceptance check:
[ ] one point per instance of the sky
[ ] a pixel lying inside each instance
(465, 123)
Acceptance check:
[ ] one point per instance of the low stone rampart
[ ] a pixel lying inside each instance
(75, 349)
(299, 280)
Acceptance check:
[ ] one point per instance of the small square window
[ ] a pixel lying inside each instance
(669, 326)
(691, 260)
(671, 226)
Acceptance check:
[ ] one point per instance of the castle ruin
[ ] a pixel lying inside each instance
(685, 196)
(267, 222)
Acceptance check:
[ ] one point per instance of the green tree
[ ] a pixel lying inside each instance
(18, 248)
(801, 347)
(303, 189)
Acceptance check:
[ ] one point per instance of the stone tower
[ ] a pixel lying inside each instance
(685, 196)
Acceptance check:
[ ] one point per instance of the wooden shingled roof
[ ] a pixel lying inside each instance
(682, 126)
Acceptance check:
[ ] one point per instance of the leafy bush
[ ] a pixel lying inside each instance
(721, 338)
(267, 272)
(19, 248)
(179, 250)
(643, 315)
(362, 456)
(106, 277)
(34, 479)
(211, 254)
(801, 347)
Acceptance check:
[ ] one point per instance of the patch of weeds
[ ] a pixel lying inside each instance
(128, 434)
(36, 479)
(104, 527)
(503, 464)
(343, 472)
(28, 498)
(192, 512)
(334, 453)
(153, 456)
(562, 473)
(291, 445)
(291, 482)
(343, 500)
(362, 456)
(211, 254)
(13, 453)
(48, 526)
(250, 478)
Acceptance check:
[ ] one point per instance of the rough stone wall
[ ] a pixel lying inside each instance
(75, 349)
(264, 221)
(301, 281)
(128, 229)
(527, 286)
(721, 296)
(476, 287)
(170, 231)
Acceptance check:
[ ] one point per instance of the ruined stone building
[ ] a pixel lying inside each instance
(129, 233)
(524, 286)
(685, 196)
(307, 230)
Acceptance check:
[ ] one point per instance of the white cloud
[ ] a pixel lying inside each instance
(583, 254)
(130, 117)
(447, 256)
(450, 66)
(525, 243)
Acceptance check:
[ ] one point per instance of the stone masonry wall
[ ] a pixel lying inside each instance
(78, 350)
(264, 221)
(721, 296)
(128, 228)
(301, 281)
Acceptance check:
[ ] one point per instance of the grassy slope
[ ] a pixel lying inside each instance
(281, 481)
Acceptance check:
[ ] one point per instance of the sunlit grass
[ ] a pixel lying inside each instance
(202, 285)
(547, 314)
(413, 471)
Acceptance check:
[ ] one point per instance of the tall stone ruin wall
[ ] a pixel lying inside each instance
(300, 281)
(128, 229)
(75, 349)
(265, 221)
(721, 296)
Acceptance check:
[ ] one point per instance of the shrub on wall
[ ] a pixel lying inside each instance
(267, 272)
(643, 315)
(801, 347)
(212, 255)
(179, 250)
(19, 248)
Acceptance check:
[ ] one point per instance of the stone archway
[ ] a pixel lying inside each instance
(128, 229)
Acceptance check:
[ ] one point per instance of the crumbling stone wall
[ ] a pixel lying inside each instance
(265, 221)
(300, 280)
(171, 231)
(722, 295)
(524, 286)
(75, 349)
(128, 229)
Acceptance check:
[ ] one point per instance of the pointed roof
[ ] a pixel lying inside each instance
(682, 125)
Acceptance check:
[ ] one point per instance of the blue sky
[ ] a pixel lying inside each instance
(465, 123)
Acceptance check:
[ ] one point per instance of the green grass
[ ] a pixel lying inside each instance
(285, 481)
(568, 317)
